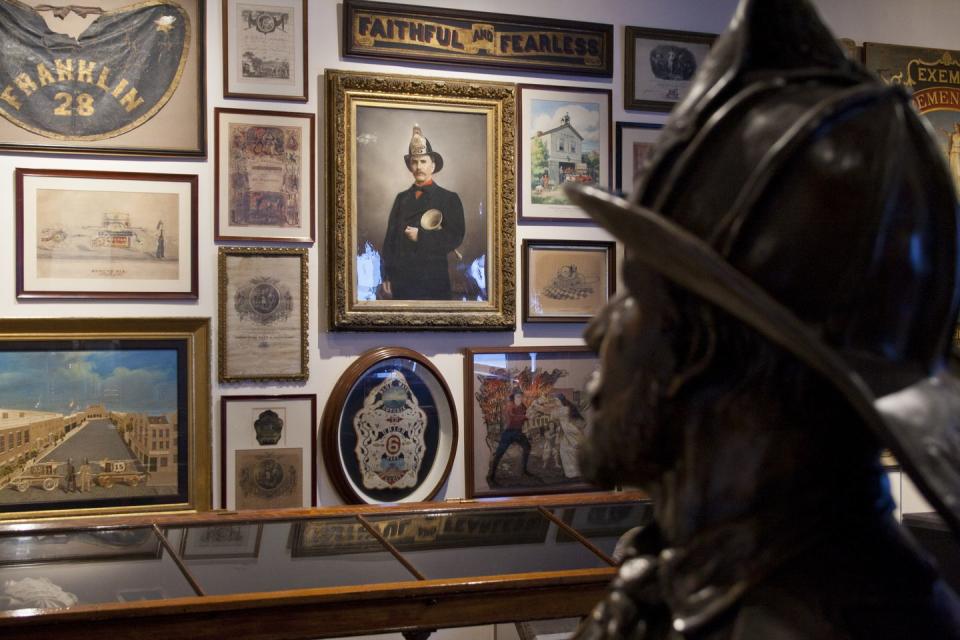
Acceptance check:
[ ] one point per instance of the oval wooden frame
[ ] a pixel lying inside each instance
(330, 422)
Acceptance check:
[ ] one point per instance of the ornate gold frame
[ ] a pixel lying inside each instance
(194, 333)
(224, 330)
(497, 101)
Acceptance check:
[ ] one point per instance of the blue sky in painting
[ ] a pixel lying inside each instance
(584, 116)
(65, 381)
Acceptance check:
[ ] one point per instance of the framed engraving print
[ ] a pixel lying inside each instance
(269, 479)
(634, 140)
(421, 201)
(660, 65)
(263, 314)
(265, 49)
(104, 416)
(389, 429)
(91, 234)
(564, 137)
(120, 77)
(525, 418)
(567, 280)
(264, 176)
(234, 540)
(265, 424)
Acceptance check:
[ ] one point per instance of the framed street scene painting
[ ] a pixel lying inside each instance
(389, 429)
(265, 49)
(109, 416)
(263, 314)
(634, 140)
(932, 76)
(94, 234)
(421, 201)
(265, 167)
(525, 419)
(119, 77)
(567, 280)
(564, 137)
(659, 65)
(261, 438)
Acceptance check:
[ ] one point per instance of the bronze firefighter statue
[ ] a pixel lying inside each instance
(791, 273)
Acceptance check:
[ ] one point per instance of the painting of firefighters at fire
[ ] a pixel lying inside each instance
(528, 420)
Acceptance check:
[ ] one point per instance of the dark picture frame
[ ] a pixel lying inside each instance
(629, 156)
(564, 134)
(476, 39)
(570, 285)
(100, 235)
(419, 449)
(153, 108)
(659, 65)
(267, 422)
(372, 120)
(552, 431)
(226, 540)
(273, 65)
(262, 308)
(142, 447)
(253, 176)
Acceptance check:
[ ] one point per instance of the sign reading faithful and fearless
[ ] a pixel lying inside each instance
(111, 79)
(419, 34)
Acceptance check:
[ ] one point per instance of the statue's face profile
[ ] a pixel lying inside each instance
(631, 334)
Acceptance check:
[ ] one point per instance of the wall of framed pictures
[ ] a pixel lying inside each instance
(254, 122)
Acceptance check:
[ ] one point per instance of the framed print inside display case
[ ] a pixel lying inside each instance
(94, 234)
(660, 65)
(634, 140)
(567, 280)
(389, 429)
(265, 424)
(265, 167)
(263, 314)
(421, 201)
(265, 49)
(564, 137)
(234, 540)
(525, 419)
(104, 416)
(120, 77)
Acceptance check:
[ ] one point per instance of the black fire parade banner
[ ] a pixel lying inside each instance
(448, 36)
(115, 76)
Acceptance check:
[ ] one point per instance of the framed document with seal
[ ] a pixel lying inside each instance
(389, 429)
(263, 314)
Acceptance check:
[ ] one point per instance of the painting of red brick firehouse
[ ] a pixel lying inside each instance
(526, 415)
(92, 428)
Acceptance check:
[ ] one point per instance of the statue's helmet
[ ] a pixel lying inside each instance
(793, 189)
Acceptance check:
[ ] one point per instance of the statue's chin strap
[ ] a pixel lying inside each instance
(63, 11)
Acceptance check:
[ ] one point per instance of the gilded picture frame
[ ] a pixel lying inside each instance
(113, 93)
(410, 461)
(265, 168)
(104, 417)
(567, 280)
(462, 275)
(105, 235)
(659, 65)
(262, 295)
(265, 49)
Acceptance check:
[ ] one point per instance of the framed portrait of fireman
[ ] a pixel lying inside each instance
(421, 206)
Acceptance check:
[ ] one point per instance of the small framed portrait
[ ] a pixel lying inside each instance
(267, 423)
(233, 540)
(106, 235)
(119, 78)
(634, 140)
(265, 49)
(659, 66)
(567, 280)
(105, 415)
(525, 419)
(564, 137)
(389, 429)
(421, 202)
(263, 314)
(265, 164)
